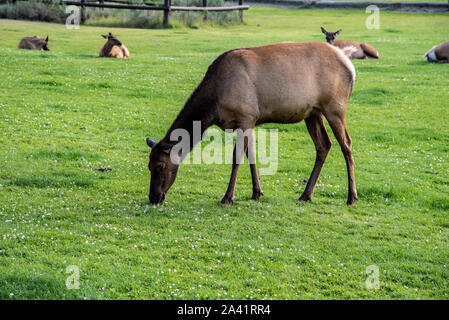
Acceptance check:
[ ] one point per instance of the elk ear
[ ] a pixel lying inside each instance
(104, 36)
(323, 30)
(167, 148)
(46, 39)
(150, 142)
(337, 32)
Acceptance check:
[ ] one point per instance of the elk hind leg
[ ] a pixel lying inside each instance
(240, 149)
(337, 122)
(317, 130)
(251, 155)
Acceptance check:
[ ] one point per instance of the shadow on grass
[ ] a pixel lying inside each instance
(439, 203)
(45, 83)
(372, 96)
(419, 63)
(55, 180)
(387, 192)
(34, 287)
(391, 31)
(77, 55)
(62, 155)
(372, 68)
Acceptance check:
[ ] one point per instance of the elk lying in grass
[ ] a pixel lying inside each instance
(34, 43)
(277, 83)
(113, 48)
(438, 53)
(353, 49)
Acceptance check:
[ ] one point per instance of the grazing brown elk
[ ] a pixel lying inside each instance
(438, 53)
(277, 83)
(34, 43)
(113, 48)
(353, 49)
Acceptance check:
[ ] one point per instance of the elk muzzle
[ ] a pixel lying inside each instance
(156, 198)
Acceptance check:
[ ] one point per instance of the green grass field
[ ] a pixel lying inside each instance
(65, 113)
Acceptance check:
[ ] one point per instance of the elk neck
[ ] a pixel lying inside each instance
(199, 109)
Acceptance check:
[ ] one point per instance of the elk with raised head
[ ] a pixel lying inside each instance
(113, 48)
(276, 83)
(353, 49)
(34, 43)
(438, 53)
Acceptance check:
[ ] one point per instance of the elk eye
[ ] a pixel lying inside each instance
(160, 167)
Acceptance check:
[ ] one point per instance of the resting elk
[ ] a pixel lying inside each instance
(113, 48)
(438, 53)
(34, 43)
(278, 83)
(353, 49)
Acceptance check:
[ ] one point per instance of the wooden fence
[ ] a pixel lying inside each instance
(166, 7)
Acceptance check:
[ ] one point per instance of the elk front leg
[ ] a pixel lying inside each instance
(229, 195)
(237, 157)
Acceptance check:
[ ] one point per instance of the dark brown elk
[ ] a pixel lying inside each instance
(438, 53)
(276, 83)
(353, 49)
(113, 48)
(34, 43)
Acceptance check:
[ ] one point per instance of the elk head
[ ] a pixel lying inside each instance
(44, 44)
(113, 41)
(330, 36)
(163, 170)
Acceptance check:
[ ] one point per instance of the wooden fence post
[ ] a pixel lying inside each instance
(83, 13)
(205, 12)
(241, 11)
(167, 4)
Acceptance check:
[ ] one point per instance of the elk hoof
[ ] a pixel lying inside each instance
(351, 200)
(257, 195)
(226, 201)
(305, 198)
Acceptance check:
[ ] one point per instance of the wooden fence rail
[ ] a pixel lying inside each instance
(166, 7)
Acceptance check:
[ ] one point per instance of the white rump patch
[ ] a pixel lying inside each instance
(345, 60)
(348, 51)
